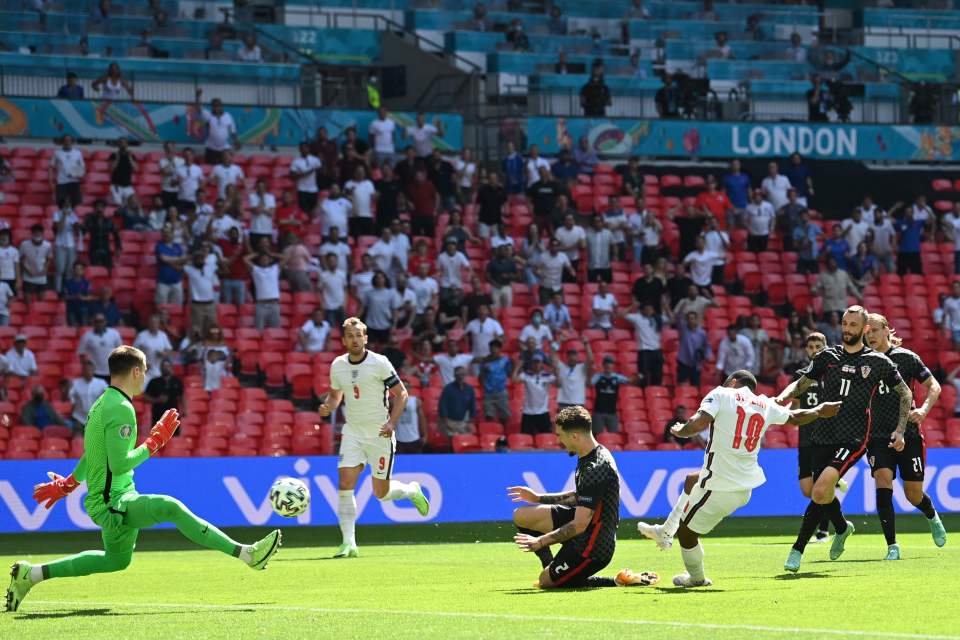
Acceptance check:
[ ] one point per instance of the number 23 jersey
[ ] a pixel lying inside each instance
(740, 419)
(365, 385)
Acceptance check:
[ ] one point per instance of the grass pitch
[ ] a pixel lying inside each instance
(469, 581)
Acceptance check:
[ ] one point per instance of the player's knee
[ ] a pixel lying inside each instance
(914, 494)
(821, 494)
(545, 582)
(118, 561)
(167, 509)
(883, 479)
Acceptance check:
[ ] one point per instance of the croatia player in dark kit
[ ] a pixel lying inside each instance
(911, 461)
(851, 373)
(584, 521)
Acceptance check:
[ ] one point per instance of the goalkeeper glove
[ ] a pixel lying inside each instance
(58, 487)
(161, 432)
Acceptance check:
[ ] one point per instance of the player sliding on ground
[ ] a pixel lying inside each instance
(737, 418)
(584, 522)
(109, 458)
(364, 380)
(911, 460)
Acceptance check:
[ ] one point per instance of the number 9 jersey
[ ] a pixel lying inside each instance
(740, 419)
(364, 385)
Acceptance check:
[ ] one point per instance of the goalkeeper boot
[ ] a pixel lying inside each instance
(419, 500)
(793, 561)
(655, 533)
(684, 580)
(937, 531)
(262, 550)
(836, 549)
(842, 485)
(20, 584)
(627, 578)
(893, 552)
(347, 550)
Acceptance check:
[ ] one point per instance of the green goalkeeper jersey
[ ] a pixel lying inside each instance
(109, 452)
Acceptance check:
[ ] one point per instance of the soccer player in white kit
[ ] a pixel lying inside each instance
(365, 380)
(737, 418)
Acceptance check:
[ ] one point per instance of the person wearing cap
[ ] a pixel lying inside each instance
(537, 330)
(84, 391)
(20, 360)
(495, 369)
(97, 343)
(535, 416)
(35, 257)
(457, 405)
(572, 375)
(606, 388)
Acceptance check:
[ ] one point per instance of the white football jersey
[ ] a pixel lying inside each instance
(365, 385)
(740, 419)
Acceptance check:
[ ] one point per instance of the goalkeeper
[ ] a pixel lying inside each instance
(109, 458)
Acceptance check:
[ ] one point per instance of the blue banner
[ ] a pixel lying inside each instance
(462, 488)
(151, 122)
(691, 138)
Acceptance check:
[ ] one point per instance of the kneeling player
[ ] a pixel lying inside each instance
(737, 418)
(584, 521)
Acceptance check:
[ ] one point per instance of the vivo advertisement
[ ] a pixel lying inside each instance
(461, 488)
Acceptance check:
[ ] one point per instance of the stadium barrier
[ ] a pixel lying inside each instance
(685, 138)
(462, 487)
(153, 122)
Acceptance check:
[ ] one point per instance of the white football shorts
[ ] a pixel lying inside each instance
(375, 451)
(706, 508)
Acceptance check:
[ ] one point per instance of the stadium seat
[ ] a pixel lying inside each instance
(465, 443)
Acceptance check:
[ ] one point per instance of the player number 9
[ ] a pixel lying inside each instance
(356, 392)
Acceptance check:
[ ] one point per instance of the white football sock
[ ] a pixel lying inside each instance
(693, 560)
(36, 573)
(672, 522)
(347, 515)
(245, 550)
(399, 491)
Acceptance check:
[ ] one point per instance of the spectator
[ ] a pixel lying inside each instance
(788, 218)
(100, 230)
(536, 329)
(164, 391)
(645, 233)
(425, 287)
(336, 209)
(328, 153)
(557, 24)
(479, 21)
(855, 230)
(265, 271)
(603, 308)
(717, 242)
(296, 260)
(595, 94)
(425, 203)
(122, 165)
(20, 360)
(735, 352)
(606, 397)
(379, 309)
(76, 293)
(615, 219)
(565, 169)
(35, 259)
(155, 344)
(517, 37)
(556, 315)
(572, 239)
(775, 187)
(332, 282)
(531, 250)
(381, 131)
(450, 264)
(170, 261)
(458, 406)
(226, 173)
(796, 52)
(534, 165)
(701, 263)
(132, 216)
(722, 50)
(221, 130)
(501, 238)
(96, 345)
(837, 247)
(863, 267)
(105, 304)
(412, 426)
(529, 348)
(678, 281)
(514, 168)
(806, 242)
(495, 369)
(736, 185)
(714, 203)
(921, 211)
(189, 181)
(585, 156)
(600, 244)
(633, 179)
(761, 219)
(67, 169)
(647, 327)
(169, 165)
(6, 295)
(502, 271)
(234, 270)
(38, 412)
(450, 360)
(759, 340)
(679, 417)
(909, 237)
(250, 51)
(203, 297)
(951, 314)
(535, 417)
(834, 285)
(491, 199)
(883, 235)
(550, 269)
(221, 221)
(668, 98)
(830, 328)
(214, 369)
(754, 31)
(482, 330)
(422, 134)
(799, 175)
(158, 216)
(312, 337)
(694, 349)
(84, 391)
(572, 375)
(112, 86)
(443, 176)
(458, 232)
(389, 195)
(303, 171)
(362, 281)
(263, 207)
(561, 210)
(407, 300)
(651, 289)
(71, 90)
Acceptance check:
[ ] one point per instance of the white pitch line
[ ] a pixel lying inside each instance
(480, 615)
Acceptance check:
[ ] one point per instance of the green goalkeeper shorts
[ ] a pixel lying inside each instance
(117, 537)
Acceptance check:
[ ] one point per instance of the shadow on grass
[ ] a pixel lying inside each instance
(107, 612)
(801, 576)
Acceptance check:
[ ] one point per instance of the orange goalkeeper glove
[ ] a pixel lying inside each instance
(161, 432)
(58, 488)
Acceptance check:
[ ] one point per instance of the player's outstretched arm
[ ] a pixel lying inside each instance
(48, 493)
(700, 421)
(806, 416)
(793, 390)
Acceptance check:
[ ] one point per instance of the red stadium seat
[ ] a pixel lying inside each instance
(466, 443)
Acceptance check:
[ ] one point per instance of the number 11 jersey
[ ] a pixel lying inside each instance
(740, 418)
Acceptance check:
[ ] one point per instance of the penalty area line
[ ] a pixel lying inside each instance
(480, 615)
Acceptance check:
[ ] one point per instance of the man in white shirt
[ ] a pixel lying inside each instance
(534, 164)
(362, 281)
(449, 267)
(336, 211)
(550, 268)
(66, 171)
(332, 282)
(363, 193)
(203, 294)
(263, 206)
(96, 345)
(66, 224)
(735, 352)
(155, 344)
(646, 232)
(600, 246)
(383, 254)
(6, 295)
(221, 130)
(700, 262)
(422, 134)
(221, 222)
(226, 173)
(647, 328)
(603, 308)
(482, 330)
(20, 360)
(716, 242)
(401, 242)
(314, 333)
(775, 186)
(169, 164)
(951, 228)
(250, 51)
(450, 361)
(536, 397)
(380, 133)
(760, 220)
(884, 239)
(855, 230)
(189, 180)
(572, 239)
(572, 375)
(536, 330)
(9, 261)
(425, 287)
(84, 391)
(35, 255)
(951, 313)
(303, 171)
(265, 273)
(338, 246)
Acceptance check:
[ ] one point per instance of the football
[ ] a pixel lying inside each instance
(289, 497)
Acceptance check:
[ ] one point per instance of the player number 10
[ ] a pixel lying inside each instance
(754, 429)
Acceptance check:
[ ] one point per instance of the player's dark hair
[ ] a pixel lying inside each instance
(744, 378)
(859, 310)
(124, 358)
(575, 418)
(814, 336)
